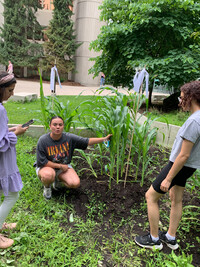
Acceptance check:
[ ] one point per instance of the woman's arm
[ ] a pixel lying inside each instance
(178, 164)
(53, 165)
(97, 140)
(20, 130)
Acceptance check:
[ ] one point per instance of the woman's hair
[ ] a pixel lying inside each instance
(6, 80)
(191, 92)
(55, 117)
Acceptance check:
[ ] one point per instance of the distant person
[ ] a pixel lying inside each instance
(183, 161)
(10, 67)
(10, 179)
(102, 81)
(54, 155)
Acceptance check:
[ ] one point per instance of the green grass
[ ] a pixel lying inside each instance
(46, 237)
(19, 112)
(174, 117)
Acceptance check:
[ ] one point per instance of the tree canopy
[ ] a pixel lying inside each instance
(20, 33)
(60, 46)
(151, 33)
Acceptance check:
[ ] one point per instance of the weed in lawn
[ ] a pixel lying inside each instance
(95, 208)
(194, 182)
(190, 218)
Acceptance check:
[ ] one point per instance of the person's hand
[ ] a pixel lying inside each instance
(64, 167)
(108, 137)
(19, 130)
(165, 185)
(12, 129)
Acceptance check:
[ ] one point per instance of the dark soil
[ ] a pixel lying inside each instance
(118, 202)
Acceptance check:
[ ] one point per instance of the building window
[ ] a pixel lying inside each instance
(47, 4)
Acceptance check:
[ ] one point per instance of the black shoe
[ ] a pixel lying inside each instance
(147, 242)
(170, 243)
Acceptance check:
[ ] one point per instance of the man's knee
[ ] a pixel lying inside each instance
(148, 196)
(175, 200)
(74, 183)
(152, 196)
(176, 196)
(47, 175)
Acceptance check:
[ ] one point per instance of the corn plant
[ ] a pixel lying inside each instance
(63, 110)
(111, 115)
(145, 136)
(43, 105)
(51, 106)
(136, 103)
(89, 159)
(117, 114)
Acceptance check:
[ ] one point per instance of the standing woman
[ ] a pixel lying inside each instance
(10, 179)
(10, 67)
(183, 161)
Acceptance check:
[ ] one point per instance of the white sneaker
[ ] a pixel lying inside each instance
(47, 192)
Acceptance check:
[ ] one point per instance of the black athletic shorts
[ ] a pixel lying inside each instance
(180, 179)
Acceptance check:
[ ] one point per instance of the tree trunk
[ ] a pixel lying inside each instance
(150, 92)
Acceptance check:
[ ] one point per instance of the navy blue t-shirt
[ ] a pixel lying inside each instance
(59, 151)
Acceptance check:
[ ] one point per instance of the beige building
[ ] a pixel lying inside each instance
(87, 28)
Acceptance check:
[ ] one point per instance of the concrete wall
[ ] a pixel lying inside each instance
(87, 28)
(1, 14)
(166, 133)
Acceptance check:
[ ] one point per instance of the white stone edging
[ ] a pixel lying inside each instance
(166, 132)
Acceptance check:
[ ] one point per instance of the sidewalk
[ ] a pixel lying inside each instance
(33, 87)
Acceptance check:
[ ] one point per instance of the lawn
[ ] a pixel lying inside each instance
(177, 117)
(94, 226)
(19, 112)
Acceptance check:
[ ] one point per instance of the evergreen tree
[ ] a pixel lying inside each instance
(20, 33)
(60, 46)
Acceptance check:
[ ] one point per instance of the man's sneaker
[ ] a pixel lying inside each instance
(47, 192)
(147, 242)
(170, 243)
